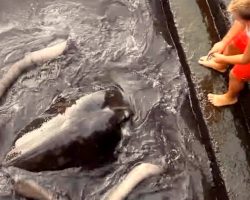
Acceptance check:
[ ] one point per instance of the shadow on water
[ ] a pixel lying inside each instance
(125, 43)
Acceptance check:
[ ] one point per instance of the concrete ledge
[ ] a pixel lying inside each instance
(193, 26)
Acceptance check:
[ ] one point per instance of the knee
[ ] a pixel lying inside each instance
(232, 75)
(230, 47)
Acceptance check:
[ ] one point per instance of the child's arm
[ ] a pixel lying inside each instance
(219, 47)
(234, 30)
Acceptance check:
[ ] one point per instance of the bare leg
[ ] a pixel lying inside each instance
(220, 67)
(231, 96)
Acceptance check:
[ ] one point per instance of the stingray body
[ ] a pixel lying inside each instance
(85, 134)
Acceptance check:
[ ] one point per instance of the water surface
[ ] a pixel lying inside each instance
(115, 43)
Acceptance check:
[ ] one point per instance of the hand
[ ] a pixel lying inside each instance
(219, 58)
(217, 48)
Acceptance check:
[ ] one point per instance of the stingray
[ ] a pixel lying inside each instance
(84, 135)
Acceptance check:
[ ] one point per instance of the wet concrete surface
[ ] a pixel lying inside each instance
(226, 132)
(222, 22)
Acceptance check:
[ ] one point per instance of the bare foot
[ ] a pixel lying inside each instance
(210, 63)
(221, 100)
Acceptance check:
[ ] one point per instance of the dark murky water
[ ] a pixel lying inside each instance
(117, 42)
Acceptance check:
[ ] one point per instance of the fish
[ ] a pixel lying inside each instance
(30, 189)
(139, 173)
(31, 59)
(22, 183)
(86, 134)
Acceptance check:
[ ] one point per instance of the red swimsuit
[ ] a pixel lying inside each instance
(242, 72)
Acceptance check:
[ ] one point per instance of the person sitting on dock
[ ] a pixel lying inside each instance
(233, 49)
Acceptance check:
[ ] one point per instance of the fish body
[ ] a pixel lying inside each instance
(133, 178)
(36, 57)
(85, 134)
